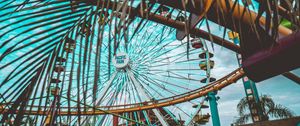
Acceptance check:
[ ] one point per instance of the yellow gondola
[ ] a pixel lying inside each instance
(201, 119)
(203, 64)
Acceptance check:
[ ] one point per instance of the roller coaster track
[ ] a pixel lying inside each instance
(214, 86)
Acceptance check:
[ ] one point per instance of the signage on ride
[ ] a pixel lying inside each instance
(120, 60)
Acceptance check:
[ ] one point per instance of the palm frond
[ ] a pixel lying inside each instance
(279, 111)
(243, 106)
(270, 109)
(243, 119)
(266, 102)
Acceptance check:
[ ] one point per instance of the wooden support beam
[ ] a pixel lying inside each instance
(172, 23)
(292, 77)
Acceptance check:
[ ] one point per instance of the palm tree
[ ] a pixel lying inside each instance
(270, 109)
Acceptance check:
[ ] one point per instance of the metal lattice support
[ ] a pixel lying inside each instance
(249, 87)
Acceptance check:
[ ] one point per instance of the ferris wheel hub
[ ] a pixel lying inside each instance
(121, 60)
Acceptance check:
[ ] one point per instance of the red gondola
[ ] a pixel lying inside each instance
(196, 43)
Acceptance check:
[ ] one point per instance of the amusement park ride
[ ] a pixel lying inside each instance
(126, 62)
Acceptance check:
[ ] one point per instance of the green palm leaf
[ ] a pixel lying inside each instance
(270, 109)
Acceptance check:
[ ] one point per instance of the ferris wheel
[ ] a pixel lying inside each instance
(146, 69)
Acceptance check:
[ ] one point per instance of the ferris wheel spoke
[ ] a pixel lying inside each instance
(150, 81)
(181, 54)
(161, 95)
(139, 86)
(141, 51)
(147, 97)
(72, 88)
(109, 103)
(153, 81)
(186, 69)
(108, 84)
(151, 56)
(118, 88)
(122, 95)
(181, 57)
(149, 85)
(171, 84)
(152, 52)
(111, 91)
(162, 80)
(174, 63)
(142, 36)
(178, 76)
(135, 92)
(182, 77)
(139, 54)
(131, 92)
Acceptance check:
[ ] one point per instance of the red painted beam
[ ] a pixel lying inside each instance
(292, 77)
(276, 60)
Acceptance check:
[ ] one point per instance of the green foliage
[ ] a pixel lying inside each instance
(270, 109)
